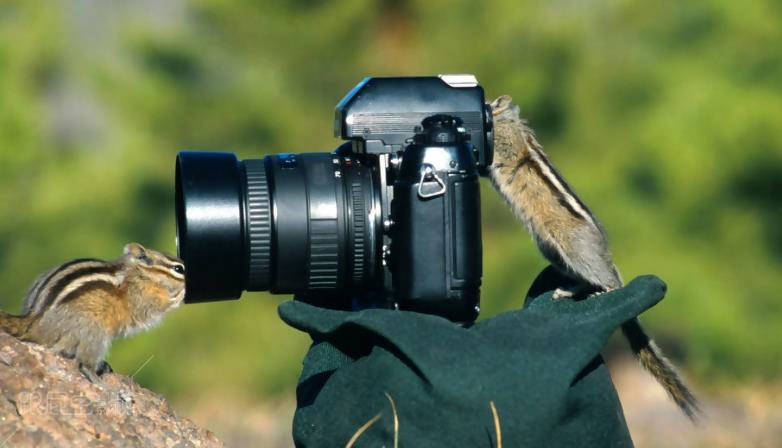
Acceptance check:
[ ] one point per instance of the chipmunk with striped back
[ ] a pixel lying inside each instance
(567, 233)
(81, 306)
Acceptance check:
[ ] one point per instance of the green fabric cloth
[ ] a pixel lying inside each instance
(540, 366)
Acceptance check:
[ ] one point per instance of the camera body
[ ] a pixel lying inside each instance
(390, 219)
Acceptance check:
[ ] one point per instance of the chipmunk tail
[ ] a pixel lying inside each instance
(652, 359)
(17, 326)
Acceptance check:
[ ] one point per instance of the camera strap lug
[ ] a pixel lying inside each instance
(427, 175)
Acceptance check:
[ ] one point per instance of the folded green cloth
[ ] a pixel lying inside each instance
(436, 383)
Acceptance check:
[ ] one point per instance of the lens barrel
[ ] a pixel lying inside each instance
(210, 230)
(306, 224)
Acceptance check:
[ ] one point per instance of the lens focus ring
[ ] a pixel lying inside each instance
(359, 232)
(259, 225)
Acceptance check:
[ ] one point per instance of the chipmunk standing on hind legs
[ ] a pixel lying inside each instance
(567, 233)
(80, 307)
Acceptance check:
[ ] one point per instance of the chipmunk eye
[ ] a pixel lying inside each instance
(179, 268)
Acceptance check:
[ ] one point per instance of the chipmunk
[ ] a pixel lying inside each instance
(80, 307)
(567, 233)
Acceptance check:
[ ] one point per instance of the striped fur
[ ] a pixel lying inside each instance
(558, 184)
(35, 291)
(89, 286)
(566, 231)
(48, 291)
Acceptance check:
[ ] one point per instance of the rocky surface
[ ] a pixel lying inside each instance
(46, 401)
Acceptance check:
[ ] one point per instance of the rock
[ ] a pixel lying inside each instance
(46, 401)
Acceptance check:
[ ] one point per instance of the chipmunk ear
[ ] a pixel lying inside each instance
(135, 251)
(501, 103)
(504, 109)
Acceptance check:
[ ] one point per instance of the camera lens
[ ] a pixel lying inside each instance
(306, 224)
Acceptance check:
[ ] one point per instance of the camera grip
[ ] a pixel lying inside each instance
(436, 250)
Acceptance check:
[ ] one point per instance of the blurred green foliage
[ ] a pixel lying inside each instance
(665, 116)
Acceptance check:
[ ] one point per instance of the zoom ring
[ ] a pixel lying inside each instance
(324, 255)
(259, 225)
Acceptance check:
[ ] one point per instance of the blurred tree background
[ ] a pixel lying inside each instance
(665, 116)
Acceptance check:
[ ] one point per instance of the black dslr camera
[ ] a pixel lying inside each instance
(389, 219)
